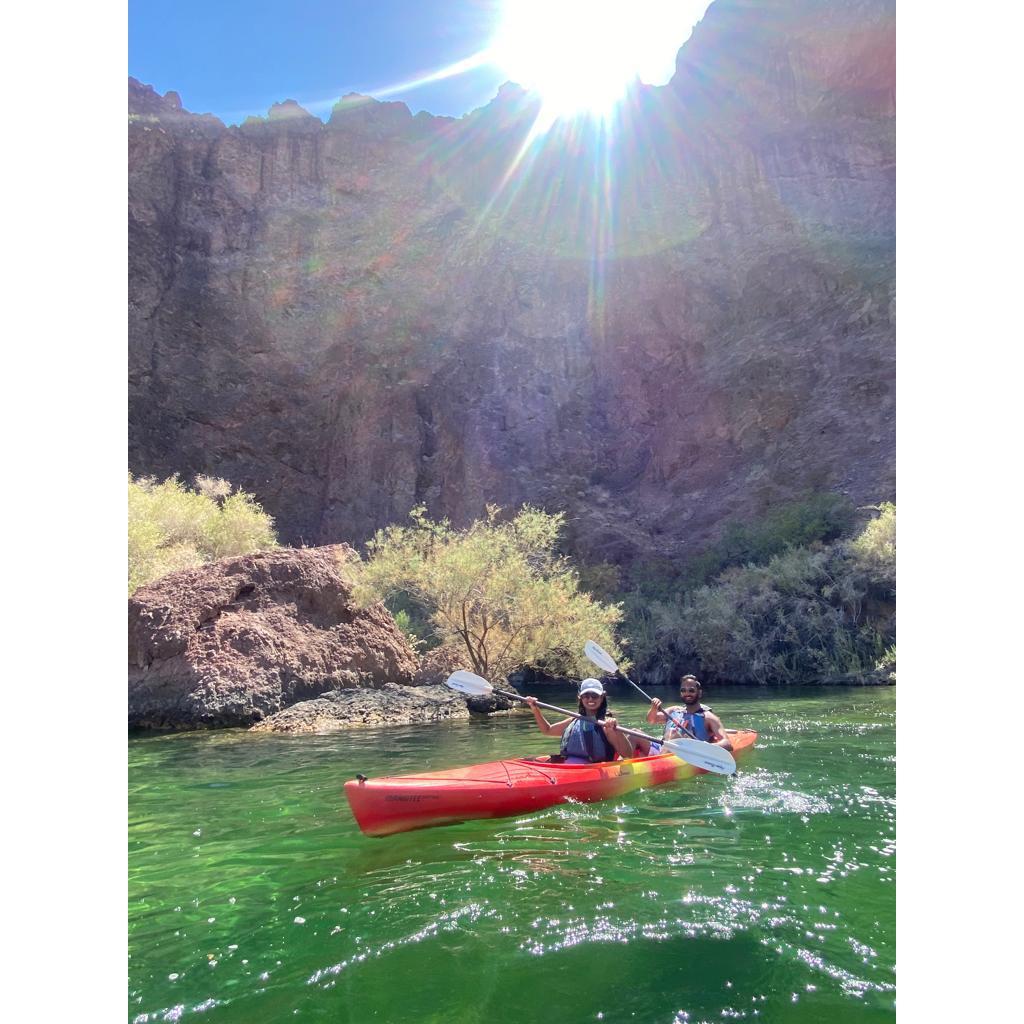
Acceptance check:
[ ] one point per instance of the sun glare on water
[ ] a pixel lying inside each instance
(580, 56)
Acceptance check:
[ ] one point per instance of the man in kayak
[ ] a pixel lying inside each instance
(699, 721)
(584, 742)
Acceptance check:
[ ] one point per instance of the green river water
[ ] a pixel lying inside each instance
(767, 896)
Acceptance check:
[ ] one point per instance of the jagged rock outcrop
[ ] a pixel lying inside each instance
(232, 642)
(687, 318)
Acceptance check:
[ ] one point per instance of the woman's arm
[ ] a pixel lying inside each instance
(542, 723)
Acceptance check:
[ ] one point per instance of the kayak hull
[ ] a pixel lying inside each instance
(503, 789)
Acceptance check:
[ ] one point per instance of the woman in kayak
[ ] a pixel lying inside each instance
(584, 742)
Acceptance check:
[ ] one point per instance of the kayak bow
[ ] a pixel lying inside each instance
(503, 789)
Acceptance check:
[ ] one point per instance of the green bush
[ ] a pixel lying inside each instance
(242, 526)
(774, 623)
(171, 527)
(654, 589)
(798, 618)
(496, 592)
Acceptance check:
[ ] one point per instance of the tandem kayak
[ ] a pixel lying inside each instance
(503, 789)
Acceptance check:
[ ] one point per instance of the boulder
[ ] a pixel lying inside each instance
(235, 641)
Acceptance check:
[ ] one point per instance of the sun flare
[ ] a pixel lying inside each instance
(580, 56)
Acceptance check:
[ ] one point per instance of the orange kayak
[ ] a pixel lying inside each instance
(503, 789)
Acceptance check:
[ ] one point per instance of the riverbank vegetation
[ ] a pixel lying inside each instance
(497, 592)
(790, 601)
(171, 526)
(805, 595)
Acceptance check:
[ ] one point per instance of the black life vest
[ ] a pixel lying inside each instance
(586, 739)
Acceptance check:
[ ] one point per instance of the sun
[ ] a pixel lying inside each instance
(580, 56)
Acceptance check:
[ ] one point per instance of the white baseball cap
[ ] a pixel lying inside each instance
(591, 686)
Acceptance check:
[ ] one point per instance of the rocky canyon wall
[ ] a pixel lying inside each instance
(683, 316)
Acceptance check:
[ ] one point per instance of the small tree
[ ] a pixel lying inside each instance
(496, 591)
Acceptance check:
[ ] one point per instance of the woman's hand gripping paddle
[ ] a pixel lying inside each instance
(702, 755)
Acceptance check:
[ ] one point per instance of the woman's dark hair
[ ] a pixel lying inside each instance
(602, 708)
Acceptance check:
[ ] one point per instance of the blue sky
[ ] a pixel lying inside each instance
(232, 59)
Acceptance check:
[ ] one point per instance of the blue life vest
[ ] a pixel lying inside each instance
(693, 719)
(586, 740)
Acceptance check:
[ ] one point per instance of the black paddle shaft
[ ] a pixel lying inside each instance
(572, 714)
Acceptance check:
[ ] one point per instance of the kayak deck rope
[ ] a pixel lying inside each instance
(538, 770)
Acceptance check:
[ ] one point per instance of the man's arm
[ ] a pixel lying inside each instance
(715, 730)
(654, 712)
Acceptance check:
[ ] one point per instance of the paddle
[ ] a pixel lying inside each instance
(704, 755)
(603, 660)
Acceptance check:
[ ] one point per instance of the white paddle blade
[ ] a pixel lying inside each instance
(708, 756)
(469, 682)
(600, 657)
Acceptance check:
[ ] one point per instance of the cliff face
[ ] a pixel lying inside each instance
(680, 319)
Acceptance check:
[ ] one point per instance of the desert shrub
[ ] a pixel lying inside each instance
(887, 663)
(497, 591)
(241, 526)
(213, 487)
(774, 623)
(798, 618)
(649, 603)
(874, 549)
(171, 527)
(659, 591)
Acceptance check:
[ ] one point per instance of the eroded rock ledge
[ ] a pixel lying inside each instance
(236, 641)
(348, 709)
